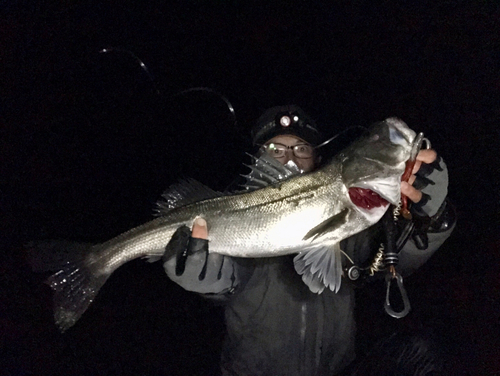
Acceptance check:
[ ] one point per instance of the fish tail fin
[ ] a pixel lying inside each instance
(75, 285)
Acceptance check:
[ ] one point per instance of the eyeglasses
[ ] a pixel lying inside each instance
(278, 150)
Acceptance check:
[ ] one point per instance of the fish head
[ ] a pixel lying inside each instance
(373, 165)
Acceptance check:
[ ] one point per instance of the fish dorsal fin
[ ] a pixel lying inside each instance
(183, 193)
(328, 225)
(265, 171)
(320, 267)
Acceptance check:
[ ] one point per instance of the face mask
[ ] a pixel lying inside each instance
(293, 167)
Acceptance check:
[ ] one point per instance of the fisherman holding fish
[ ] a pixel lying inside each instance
(276, 323)
(285, 253)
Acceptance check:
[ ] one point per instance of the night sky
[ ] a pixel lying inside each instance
(89, 141)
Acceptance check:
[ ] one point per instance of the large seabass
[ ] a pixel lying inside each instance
(307, 214)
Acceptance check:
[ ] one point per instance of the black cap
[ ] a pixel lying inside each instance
(291, 120)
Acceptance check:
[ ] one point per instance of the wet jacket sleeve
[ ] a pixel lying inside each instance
(434, 217)
(195, 269)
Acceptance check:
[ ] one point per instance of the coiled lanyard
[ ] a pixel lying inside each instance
(391, 258)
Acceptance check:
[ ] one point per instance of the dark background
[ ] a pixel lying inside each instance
(89, 140)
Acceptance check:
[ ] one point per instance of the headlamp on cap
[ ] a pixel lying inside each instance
(285, 120)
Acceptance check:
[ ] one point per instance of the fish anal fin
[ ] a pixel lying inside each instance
(313, 281)
(320, 267)
(328, 225)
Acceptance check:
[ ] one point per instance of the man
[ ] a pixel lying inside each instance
(275, 325)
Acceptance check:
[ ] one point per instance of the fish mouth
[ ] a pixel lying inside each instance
(366, 198)
(375, 193)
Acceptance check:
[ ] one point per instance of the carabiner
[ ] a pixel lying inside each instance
(406, 302)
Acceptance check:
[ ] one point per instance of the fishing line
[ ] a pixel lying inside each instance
(183, 92)
(340, 134)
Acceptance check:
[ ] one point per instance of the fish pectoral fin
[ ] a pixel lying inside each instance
(329, 225)
(320, 267)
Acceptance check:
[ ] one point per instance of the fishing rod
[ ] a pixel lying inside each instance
(144, 67)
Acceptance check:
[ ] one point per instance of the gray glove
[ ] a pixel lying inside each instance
(194, 268)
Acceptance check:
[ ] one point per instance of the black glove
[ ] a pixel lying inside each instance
(188, 263)
(433, 213)
(183, 246)
(432, 181)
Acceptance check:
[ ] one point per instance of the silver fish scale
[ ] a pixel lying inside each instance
(277, 218)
